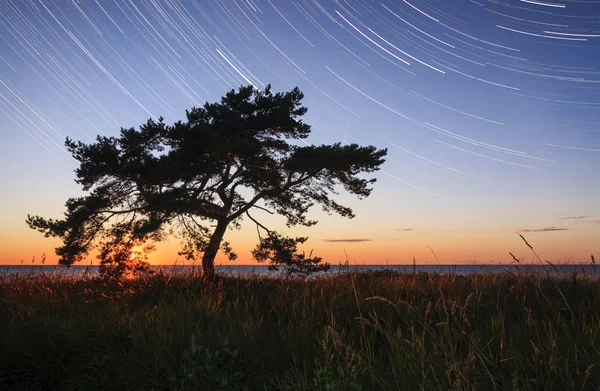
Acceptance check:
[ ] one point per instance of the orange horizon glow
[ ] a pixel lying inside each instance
(377, 235)
(449, 248)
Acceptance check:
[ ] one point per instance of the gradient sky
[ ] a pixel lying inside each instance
(489, 110)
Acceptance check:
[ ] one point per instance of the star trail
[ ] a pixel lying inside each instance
(490, 110)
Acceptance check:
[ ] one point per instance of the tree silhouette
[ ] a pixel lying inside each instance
(227, 160)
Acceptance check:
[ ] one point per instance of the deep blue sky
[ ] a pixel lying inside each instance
(490, 110)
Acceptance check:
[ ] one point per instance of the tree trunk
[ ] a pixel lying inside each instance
(208, 258)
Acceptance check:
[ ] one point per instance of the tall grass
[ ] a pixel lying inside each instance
(353, 331)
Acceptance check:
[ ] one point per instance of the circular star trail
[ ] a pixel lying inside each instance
(470, 97)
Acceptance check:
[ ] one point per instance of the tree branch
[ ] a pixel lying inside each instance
(248, 205)
(200, 188)
(265, 209)
(98, 228)
(258, 225)
(115, 212)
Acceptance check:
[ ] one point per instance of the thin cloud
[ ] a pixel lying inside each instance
(594, 221)
(7, 228)
(545, 229)
(347, 240)
(403, 229)
(574, 217)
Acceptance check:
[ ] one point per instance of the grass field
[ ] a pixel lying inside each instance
(363, 331)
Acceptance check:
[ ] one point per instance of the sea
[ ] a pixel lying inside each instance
(562, 270)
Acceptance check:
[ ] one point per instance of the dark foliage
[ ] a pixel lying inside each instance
(165, 180)
(282, 252)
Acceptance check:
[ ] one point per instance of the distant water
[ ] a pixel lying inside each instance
(262, 270)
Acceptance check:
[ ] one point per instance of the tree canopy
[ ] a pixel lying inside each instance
(196, 178)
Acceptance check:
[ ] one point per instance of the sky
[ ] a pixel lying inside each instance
(489, 111)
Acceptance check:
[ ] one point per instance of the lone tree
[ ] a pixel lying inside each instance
(226, 161)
